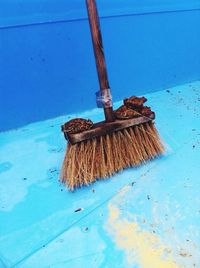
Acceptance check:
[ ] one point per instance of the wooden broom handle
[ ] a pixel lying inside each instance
(99, 53)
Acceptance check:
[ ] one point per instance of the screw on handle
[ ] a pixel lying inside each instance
(99, 53)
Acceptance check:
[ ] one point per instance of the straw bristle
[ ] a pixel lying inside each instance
(99, 158)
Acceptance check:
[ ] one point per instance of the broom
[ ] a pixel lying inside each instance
(126, 138)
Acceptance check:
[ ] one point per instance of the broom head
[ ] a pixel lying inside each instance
(105, 148)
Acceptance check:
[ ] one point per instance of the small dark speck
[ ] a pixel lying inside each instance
(148, 197)
(78, 209)
(52, 170)
(93, 190)
(193, 146)
(193, 129)
(133, 183)
(61, 190)
(52, 126)
(86, 229)
(24, 179)
(187, 240)
(43, 246)
(168, 91)
(154, 231)
(179, 91)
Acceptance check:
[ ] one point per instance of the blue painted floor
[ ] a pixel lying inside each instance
(147, 217)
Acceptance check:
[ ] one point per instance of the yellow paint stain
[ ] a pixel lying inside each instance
(140, 246)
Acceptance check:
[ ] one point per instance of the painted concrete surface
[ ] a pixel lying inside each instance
(149, 51)
(147, 217)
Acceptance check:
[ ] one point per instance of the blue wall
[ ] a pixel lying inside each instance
(46, 59)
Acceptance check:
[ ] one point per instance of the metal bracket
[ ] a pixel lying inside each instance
(104, 98)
